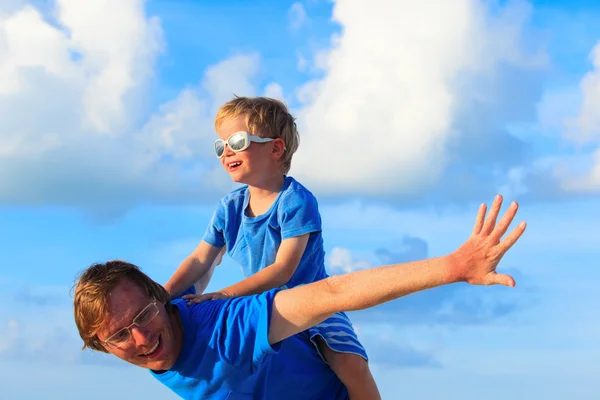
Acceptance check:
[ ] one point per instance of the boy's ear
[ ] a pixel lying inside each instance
(278, 148)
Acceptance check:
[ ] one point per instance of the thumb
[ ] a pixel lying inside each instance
(499, 279)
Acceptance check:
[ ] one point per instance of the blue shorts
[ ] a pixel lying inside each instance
(338, 334)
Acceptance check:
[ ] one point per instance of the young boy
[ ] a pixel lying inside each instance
(272, 228)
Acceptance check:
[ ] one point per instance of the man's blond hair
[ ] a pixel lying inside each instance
(265, 117)
(90, 303)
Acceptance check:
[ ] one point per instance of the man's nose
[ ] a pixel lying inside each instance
(140, 335)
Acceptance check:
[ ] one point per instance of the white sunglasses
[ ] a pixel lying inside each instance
(239, 141)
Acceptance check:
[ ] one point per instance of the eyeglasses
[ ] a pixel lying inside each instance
(239, 141)
(123, 335)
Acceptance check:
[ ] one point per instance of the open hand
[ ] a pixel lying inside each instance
(476, 260)
(198, 298)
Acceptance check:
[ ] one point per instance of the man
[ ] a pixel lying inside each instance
(255, 347)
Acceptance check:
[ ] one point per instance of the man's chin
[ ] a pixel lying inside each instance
(155, 365)
(160, 367)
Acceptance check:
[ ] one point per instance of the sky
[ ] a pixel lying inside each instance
(411, 113)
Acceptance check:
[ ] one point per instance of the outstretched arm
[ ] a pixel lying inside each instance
(475, 262)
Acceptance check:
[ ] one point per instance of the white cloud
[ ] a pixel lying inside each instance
(409, 248)
(397, 79)
(183, 126)
(231, 76)
(584, 130)
(586, 126)
(118, 47)
(342, 261)
(92, 62)
(554, 109)
(275, 91)
(297, 16)
(73, 95)
(580, 174)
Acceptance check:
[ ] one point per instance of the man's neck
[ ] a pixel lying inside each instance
(177, 328)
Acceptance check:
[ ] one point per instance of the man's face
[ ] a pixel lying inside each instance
(156, 345)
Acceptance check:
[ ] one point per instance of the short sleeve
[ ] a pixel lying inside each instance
(190, 290)
(241, 335)
(298, 214)
(214, 232)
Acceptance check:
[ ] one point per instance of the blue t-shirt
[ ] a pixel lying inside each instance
(226, 355)
(253, 242)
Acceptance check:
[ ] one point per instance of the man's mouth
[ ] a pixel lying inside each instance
(153, 350)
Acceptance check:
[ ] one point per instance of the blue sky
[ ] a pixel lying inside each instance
(411, 114)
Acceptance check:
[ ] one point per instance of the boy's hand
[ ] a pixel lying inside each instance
(198, 298)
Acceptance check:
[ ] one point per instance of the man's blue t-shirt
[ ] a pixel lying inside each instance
(253, 242)
(226, 355)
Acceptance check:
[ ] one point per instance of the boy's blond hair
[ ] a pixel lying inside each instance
(265, 117)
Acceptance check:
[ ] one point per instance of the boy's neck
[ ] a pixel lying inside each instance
(267, 187)
(263, 194)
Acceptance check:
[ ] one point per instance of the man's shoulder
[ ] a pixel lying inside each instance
(203, 314)
(210, 312)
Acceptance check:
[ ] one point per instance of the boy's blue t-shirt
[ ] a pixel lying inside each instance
(226, 355)
(253, 242)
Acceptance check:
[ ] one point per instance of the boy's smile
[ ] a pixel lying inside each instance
(233, 165)
(248, 166)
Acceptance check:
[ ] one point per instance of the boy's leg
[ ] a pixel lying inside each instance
(353, 370)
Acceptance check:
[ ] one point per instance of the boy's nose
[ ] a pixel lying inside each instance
(228, 151)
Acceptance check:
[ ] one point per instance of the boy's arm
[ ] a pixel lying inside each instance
(204, 280)
(275, 275)
(475, 262)
(195, 267)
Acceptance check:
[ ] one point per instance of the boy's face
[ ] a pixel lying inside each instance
(253, 165)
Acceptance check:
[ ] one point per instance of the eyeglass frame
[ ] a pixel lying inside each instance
(108, 343)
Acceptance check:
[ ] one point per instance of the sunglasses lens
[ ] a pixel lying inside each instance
(237, 142)
(219, 147)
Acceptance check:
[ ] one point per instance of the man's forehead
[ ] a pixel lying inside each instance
(125, 301)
